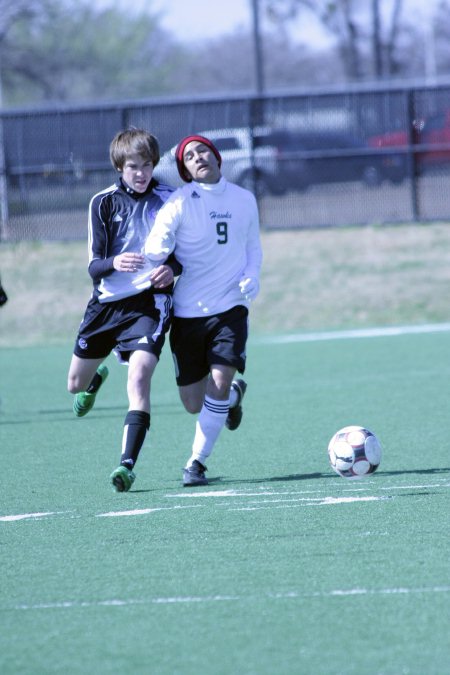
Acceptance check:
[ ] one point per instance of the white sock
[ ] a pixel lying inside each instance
(210, 423)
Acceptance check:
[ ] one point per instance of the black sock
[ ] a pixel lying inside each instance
(95, 384)
(136, 425)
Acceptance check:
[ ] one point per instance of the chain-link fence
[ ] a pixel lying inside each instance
(329, 159)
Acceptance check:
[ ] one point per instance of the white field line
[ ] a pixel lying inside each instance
(196, 599)
(135, 512)
(275, 496)
(293, 503)
(414, 487)
(26, 516)
(289, 502)
(321, 500)
(290, 493)
(386, 331)
(260, 493)
(144, 512)
(223, 493)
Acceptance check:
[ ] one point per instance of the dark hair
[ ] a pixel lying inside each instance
(133, 142)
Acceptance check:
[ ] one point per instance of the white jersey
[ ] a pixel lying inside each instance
(213, 230)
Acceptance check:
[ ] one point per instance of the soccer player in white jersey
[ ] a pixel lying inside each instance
(130, 308)
(213, 228)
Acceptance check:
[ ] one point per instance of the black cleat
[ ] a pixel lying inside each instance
(235, 413)
(194, 475)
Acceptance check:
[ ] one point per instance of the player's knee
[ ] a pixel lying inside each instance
(191, 404)
(192, 408)
(72, 386)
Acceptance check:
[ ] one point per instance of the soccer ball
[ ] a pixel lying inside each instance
(354, 452)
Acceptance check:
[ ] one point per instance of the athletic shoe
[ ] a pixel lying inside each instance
(122, 479)
(194, 475)
(235, 413)
(84, 401)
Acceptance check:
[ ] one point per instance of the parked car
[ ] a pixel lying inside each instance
(309, 158)
(249, 161)
(429, 138)
(275, 160)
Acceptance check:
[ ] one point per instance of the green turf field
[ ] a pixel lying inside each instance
(278, 567)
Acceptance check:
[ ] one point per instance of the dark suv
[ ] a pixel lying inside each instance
(313, 158)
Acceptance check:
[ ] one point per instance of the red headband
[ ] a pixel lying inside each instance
(185, 175)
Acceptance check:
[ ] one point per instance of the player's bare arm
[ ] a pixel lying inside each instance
(128, 262)
(162, 276)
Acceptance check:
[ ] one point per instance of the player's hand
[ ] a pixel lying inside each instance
(128, 262)
(161, 276)
(249, 288)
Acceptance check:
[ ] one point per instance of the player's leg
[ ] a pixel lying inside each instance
(141, 366)
(193, 395)
(137, 421)
(93, 344)
(210, 422)
(237, 392)
(206, 355)
(81, 373)
(140, 345)
(84, 379)
(234, 352)
(187, 343)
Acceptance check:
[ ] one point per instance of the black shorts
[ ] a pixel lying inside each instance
(201, 342)
(139, 322)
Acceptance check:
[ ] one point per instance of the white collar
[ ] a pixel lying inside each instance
(218, 187)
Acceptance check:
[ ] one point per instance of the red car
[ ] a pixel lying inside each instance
(429, 140)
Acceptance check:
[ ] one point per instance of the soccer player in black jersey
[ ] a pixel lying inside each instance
(130, 309)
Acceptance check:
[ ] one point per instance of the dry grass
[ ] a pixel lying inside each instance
(354, 277)
(48, 288)
(312, 280)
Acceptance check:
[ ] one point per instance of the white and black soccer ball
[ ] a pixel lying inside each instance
(354, 452)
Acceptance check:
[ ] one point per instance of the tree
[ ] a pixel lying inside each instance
(437, 40)
(352, 28)
(69, 51)
(12, 11)
(287, 66)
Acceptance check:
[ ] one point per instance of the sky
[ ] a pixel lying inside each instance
(199, 20)
(195, 19)
(190, 20)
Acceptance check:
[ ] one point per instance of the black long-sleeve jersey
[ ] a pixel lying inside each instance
(120, 220)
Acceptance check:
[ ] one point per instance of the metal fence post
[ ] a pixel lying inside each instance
(412, 154)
